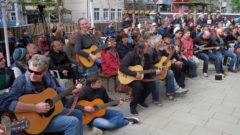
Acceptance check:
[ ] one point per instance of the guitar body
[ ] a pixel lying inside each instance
(86, 62)
(126, 79)
(38, 122)
(164, 64)
(88, 117)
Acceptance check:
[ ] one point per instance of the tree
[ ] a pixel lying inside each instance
(236, 5)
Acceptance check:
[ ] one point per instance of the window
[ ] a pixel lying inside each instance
(105, 14)
(96, 14)
(119, 12)
(112, 14)
(13, 16)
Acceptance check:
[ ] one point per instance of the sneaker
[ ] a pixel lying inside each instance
(134, 111)
(143, 105)
(171, 98)
(96, 131)
(181, 90)
(158, 103)
(232, 70)
(205, 74)
(132, 120)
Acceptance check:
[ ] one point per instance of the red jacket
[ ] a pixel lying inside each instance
(110, 64)
(187, 47)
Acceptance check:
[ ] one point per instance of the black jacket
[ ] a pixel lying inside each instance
(123, 49)
(132, 59)
(222, 44)
(9, 77)
(211, 42)
(89, 94)
(59, 61)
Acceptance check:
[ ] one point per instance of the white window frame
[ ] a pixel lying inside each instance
(113, 17)
(13, 16)
(96, 14)
(105, 14)
(119, 13)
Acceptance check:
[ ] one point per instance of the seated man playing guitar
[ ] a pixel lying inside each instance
(159, 52)
(140, 89)
(94, 100)
(203, 40)
(35, 81)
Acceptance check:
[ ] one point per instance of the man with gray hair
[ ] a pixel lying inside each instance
(34, 81)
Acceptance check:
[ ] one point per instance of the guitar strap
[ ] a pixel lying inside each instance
(74, 104)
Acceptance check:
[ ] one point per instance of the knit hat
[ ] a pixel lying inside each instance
(19, 54)
(177, 29)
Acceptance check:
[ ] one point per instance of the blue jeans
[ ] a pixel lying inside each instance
(170, 83)
(70, 125)
(227, 53)
(238, 60)
(112, 119)
(205, 56)
(155, 91)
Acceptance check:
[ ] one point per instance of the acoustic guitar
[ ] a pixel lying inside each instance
(126, 79)
(7, 125)
(164, 64)
(99, 106)
(39, 121)
(88, 62)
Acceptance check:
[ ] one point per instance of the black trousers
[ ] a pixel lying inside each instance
(140, 91)
(179, 74)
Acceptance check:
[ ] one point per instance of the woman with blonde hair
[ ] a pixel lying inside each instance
(85, 40)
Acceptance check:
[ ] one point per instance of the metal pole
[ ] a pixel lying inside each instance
(91, 12)
(59, 15)
(17, 13)
(5, 32)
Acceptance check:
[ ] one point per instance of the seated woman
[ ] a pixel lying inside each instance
(110, 58)
(20, 61)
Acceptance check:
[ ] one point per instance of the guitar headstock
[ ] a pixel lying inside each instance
(16, 125)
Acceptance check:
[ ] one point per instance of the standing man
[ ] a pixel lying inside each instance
(109, 30)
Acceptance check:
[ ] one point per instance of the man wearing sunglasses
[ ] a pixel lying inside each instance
(6, 75)
(36, 80)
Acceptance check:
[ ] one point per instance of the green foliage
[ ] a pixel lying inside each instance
(236, 5)
(48, 3)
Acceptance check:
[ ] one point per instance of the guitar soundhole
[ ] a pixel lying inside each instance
(49, 113)
(96, 108)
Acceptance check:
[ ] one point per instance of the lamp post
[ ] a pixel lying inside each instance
(91, 12)
(4, 5)
(60, 15)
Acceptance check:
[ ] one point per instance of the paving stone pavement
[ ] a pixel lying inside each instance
(209, 108)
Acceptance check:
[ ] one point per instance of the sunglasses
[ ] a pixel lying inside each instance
(35, 72)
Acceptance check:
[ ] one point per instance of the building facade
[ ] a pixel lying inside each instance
(103, 10)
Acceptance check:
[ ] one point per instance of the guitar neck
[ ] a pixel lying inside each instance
(209, 48)
(115, 102)
(148, 71)
(97, 51)
(63, 94)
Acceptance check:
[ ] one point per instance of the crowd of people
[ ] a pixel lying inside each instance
(171, 48)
